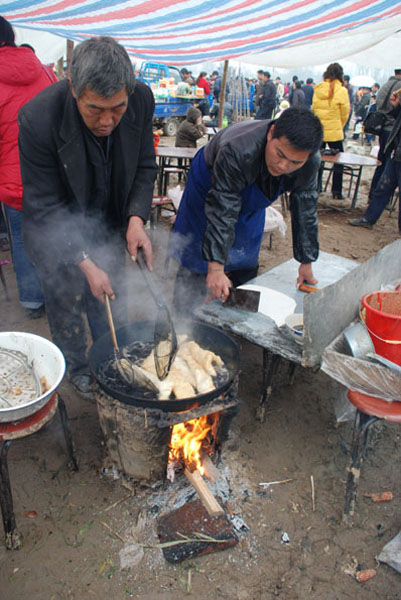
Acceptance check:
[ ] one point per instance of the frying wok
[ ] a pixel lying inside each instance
(210, 338)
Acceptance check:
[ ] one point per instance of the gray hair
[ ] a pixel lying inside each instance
(102, 65)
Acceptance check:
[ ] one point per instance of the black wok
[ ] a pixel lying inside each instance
(208, 337)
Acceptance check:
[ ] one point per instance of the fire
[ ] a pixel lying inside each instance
(190, 438)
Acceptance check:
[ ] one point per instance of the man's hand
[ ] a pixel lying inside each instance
(98, 279)
(217, 282)
(137, 238)
(305, 274)
(394, 99)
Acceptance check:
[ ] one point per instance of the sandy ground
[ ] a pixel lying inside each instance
(68, 552)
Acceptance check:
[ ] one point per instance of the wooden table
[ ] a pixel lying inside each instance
(355, 164)
(164, 153)
(211, 131)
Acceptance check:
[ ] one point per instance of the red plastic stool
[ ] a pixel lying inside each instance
(19, 429)
(369, 410)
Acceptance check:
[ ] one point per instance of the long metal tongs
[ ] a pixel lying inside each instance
(165, 337)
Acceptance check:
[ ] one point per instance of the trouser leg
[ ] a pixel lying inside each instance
(29, 289)
(337, 185)
(383, 191)
(64, 293)
(382, 157)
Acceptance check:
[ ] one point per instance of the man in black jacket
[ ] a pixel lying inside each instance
(267, 98)
(220, 222)
(88, 168)
(391, 176)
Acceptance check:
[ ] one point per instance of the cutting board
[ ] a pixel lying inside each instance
(272, 303)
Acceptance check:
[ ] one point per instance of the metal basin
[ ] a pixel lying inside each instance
(48, 364)
(358, 340)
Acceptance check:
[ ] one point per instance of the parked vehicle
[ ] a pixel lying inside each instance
(169, 110)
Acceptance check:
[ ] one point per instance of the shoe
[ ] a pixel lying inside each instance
(360, 222)
(338, 196)
(82, 384)
(35, 313)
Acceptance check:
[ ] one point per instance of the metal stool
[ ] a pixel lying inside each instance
(369, 410)
(19, 429)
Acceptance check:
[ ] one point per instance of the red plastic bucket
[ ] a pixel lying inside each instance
(383, 321)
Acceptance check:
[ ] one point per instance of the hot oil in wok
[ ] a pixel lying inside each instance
(136, 352)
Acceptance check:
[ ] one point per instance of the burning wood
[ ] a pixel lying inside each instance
(190, 439)
(206, 497)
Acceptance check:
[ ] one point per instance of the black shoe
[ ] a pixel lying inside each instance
(360, 222)
(35, 313)
(338, 196)
(82, 384)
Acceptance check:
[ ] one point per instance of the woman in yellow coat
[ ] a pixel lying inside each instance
(331, 105)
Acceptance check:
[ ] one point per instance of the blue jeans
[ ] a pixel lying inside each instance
(29, 291)
(381, 196)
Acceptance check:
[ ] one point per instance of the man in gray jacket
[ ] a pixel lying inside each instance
(88, 169)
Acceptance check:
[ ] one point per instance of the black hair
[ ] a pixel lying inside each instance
(260, 71)
(27, 46)
(298, 84)
(7, 36)
(334, 71)
(301, 128)
(266, 74)
(102, 65)
(294, 78)
(397, 71)
(309, 80)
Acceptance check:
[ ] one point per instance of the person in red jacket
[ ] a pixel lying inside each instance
(203, 83)
(22, 76)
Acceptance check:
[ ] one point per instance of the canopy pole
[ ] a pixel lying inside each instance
(223, 93)
(70, 48)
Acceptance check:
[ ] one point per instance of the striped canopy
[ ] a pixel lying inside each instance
(191, 31)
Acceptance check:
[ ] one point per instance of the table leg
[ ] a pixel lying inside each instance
(13, 537)
(358, 448)
(355, 196)
(3, 281)
(160, 176)
(270, 365)
(67, 433)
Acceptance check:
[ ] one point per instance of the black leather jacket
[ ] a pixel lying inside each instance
(394, 140)
(237, 154)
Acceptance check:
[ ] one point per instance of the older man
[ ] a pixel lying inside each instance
(88, 169)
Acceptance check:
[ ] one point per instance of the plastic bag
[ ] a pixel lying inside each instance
(175, 195)
(274, 220)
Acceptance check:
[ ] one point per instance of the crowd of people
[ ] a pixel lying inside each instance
(78, 169)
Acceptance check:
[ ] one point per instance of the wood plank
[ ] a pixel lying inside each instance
(208, 500)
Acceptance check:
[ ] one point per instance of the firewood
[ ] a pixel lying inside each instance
(208, 500)
(211, 472)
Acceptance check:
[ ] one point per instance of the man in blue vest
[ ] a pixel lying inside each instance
(220, 221)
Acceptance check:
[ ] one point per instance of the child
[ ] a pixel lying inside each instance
(190, 130)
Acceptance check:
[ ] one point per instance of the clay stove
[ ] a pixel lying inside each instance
(138, 439)
(138, 427)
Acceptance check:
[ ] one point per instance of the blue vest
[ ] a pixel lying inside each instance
(187, 235)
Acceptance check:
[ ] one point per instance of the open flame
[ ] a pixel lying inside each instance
(190, 439)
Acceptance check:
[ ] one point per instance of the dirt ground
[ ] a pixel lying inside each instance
(70, 547)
